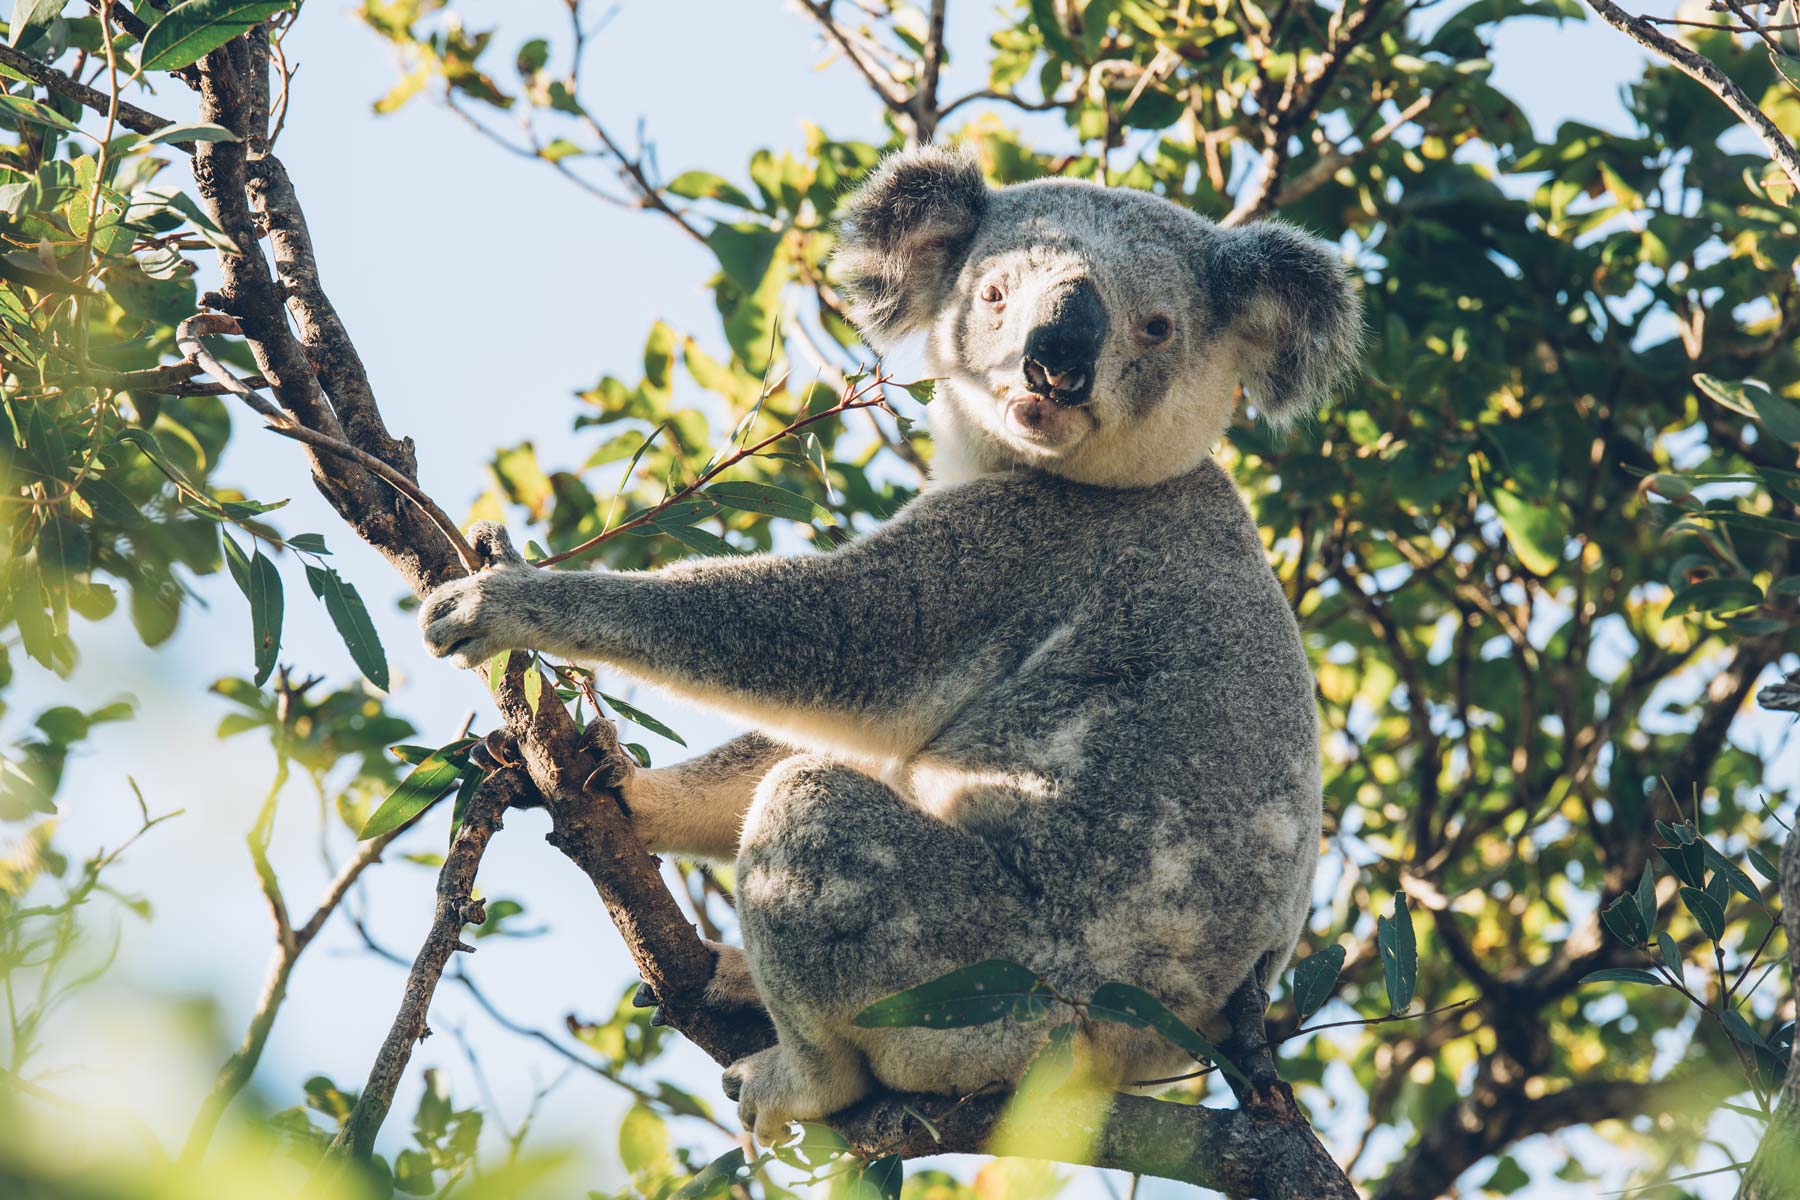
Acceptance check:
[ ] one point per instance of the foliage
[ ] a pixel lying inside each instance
(1542, 550)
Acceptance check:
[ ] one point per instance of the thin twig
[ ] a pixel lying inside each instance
(855, 396)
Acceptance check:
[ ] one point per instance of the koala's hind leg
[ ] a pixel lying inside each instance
(848, 893)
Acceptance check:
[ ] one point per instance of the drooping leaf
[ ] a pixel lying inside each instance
(1399, 954)
(1646, 897)
(1626, 920)
(1124, 1004)
(1707, 912)
(347, 611)
(977, 995)
(1315, 977)
(1671, 956)
(640, 717)
(266, 603)
(1729, 871)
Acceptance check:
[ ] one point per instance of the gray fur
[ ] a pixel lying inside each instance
(1057, 710)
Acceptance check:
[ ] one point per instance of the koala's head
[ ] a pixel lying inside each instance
(1097, 333)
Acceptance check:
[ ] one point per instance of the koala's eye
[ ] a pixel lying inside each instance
(992, 294)
(1156, 330)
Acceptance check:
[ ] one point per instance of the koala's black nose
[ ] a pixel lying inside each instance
(1060, 352)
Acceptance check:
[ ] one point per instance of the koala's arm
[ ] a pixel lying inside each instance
(696, 807)
(873, 639)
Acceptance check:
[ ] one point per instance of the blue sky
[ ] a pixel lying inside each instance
(482, 292)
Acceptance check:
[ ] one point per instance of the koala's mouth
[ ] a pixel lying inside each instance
(1042, 423)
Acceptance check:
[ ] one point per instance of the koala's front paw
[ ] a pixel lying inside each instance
(470, 620)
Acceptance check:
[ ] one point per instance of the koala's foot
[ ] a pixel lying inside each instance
(729, 991)
(776, 1087)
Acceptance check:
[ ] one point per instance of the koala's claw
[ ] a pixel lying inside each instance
(496, 751)
(616, 767)
(644, 997)
(494, 545)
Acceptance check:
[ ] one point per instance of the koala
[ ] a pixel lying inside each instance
(1057, 709)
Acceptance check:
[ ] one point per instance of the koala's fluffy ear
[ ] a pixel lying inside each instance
(902, 238)
(1290, 302)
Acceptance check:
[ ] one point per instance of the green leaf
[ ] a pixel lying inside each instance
(764, 498)
(1731, 873)
(531, 685)
(745, 252)
(884, 1176)
(643, 1140)
(412, 1173)
(697, 540)
(923, 391)
(1536, 530)
(423, 785)
(198, 131)
(704, 185)
(1123, 1004)
(351, 617)
(1646, 897)
(640, 717)
(195, 28)
(266, 603)
(1714, 595)
(1708, 914)
(1056, 40)
(1671, 956)
(23, 108)
(986, 992)
(817, 1146)
(1053, 1065)
(1626, 920)
(1399, 954)
(715, 1178)
(1764, 867)
(30, 16)
(1742, 1031)
(1315, 977)
(1621, 975)
(312, 543)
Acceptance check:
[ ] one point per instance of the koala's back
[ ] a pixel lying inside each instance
(1143, 752)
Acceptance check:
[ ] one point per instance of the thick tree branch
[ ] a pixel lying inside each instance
(1706, 73)
(136, 119)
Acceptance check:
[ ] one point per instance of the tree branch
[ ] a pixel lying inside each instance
(1706, 73)
(455, 908)
(136, 119)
